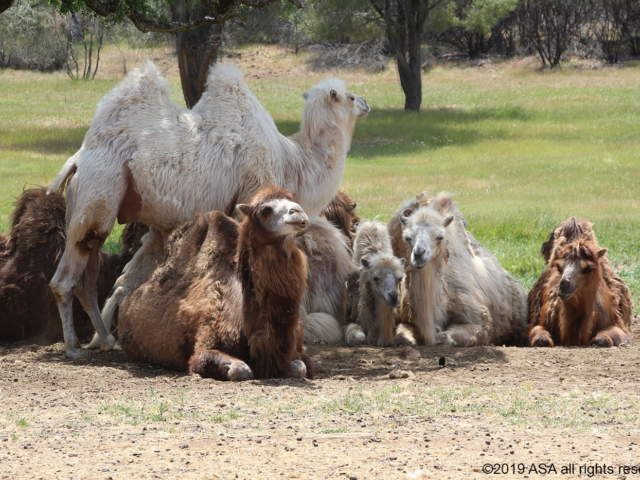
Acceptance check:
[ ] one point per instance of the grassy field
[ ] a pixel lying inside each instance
(522, 149)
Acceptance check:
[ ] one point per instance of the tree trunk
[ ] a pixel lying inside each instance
(410, 72)
(197, 49)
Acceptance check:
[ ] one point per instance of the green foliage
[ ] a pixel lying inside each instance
(477, 16)
(28, 38)
(351, 21)
(151, 8)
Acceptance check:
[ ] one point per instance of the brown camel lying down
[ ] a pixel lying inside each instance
(226, 301)
(28, 259)
(578, 300)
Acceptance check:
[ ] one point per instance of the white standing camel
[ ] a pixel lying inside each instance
(146, 158)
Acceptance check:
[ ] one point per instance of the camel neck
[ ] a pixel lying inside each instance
(429, 298)
(385, 320)
(580, 313)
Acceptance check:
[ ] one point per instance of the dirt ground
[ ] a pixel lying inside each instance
(520, 410)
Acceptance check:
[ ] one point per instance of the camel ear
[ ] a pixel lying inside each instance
(402, 260)
(245, 209)
(448, 220)
(407, 212)
(334, 94)
(602, 252)
(365, 263)
(352, 206)
(305, 95)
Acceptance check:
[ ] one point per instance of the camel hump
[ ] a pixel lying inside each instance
(145, 88)
(225, 72)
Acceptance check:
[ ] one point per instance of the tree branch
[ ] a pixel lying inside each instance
(220, 13)
(5, 5)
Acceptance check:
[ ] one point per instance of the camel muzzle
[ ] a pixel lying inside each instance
(298, 221)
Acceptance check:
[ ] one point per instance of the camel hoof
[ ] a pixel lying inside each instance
(94, 343)
(239, 371)
(357, 338)
(77, 353)
(108, 343)
(298, 369)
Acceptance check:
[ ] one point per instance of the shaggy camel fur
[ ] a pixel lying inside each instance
(28, 261)
(146, 158)
(327, 245)
(377, 294)
(578, 300)
(329, 266)
(457, 293)
(341, 212)
(225, 304)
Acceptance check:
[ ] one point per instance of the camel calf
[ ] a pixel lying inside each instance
(377, 293)
(226, 302)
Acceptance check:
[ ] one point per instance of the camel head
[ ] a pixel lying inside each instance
(385, 273)
(424, 233)
(578, 263)
(329, 100)
(275, 212)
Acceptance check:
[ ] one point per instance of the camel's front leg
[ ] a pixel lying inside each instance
(539, 337)
(611, 337)
(216, 364)
(135, 273)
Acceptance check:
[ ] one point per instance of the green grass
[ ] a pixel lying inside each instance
(521, 149)
(22, 422)
(158, 409)
(522, 407)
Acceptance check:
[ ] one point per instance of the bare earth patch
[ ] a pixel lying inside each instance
(107, 418)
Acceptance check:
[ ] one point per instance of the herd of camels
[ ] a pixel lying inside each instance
(240, 247)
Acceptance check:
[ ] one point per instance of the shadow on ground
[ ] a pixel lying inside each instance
(362, 363)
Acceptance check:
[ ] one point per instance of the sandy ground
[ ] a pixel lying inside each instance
(515, 407)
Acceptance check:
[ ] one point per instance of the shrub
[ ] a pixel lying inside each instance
(28, 39)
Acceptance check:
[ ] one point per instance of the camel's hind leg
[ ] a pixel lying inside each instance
(69, 272)
(216, 364)
(143, 263)
(92, 205)
(87, 293)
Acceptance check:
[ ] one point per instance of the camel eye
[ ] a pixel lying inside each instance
(559, 268)
(375, 279)
(407, 239)
(439, 239)
(266, 211)
(588, 269)
(352, 98)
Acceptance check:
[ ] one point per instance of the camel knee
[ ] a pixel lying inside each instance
(354, 335)
(298, 369)
(602, 340)
(539, 337)
(406, 335)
